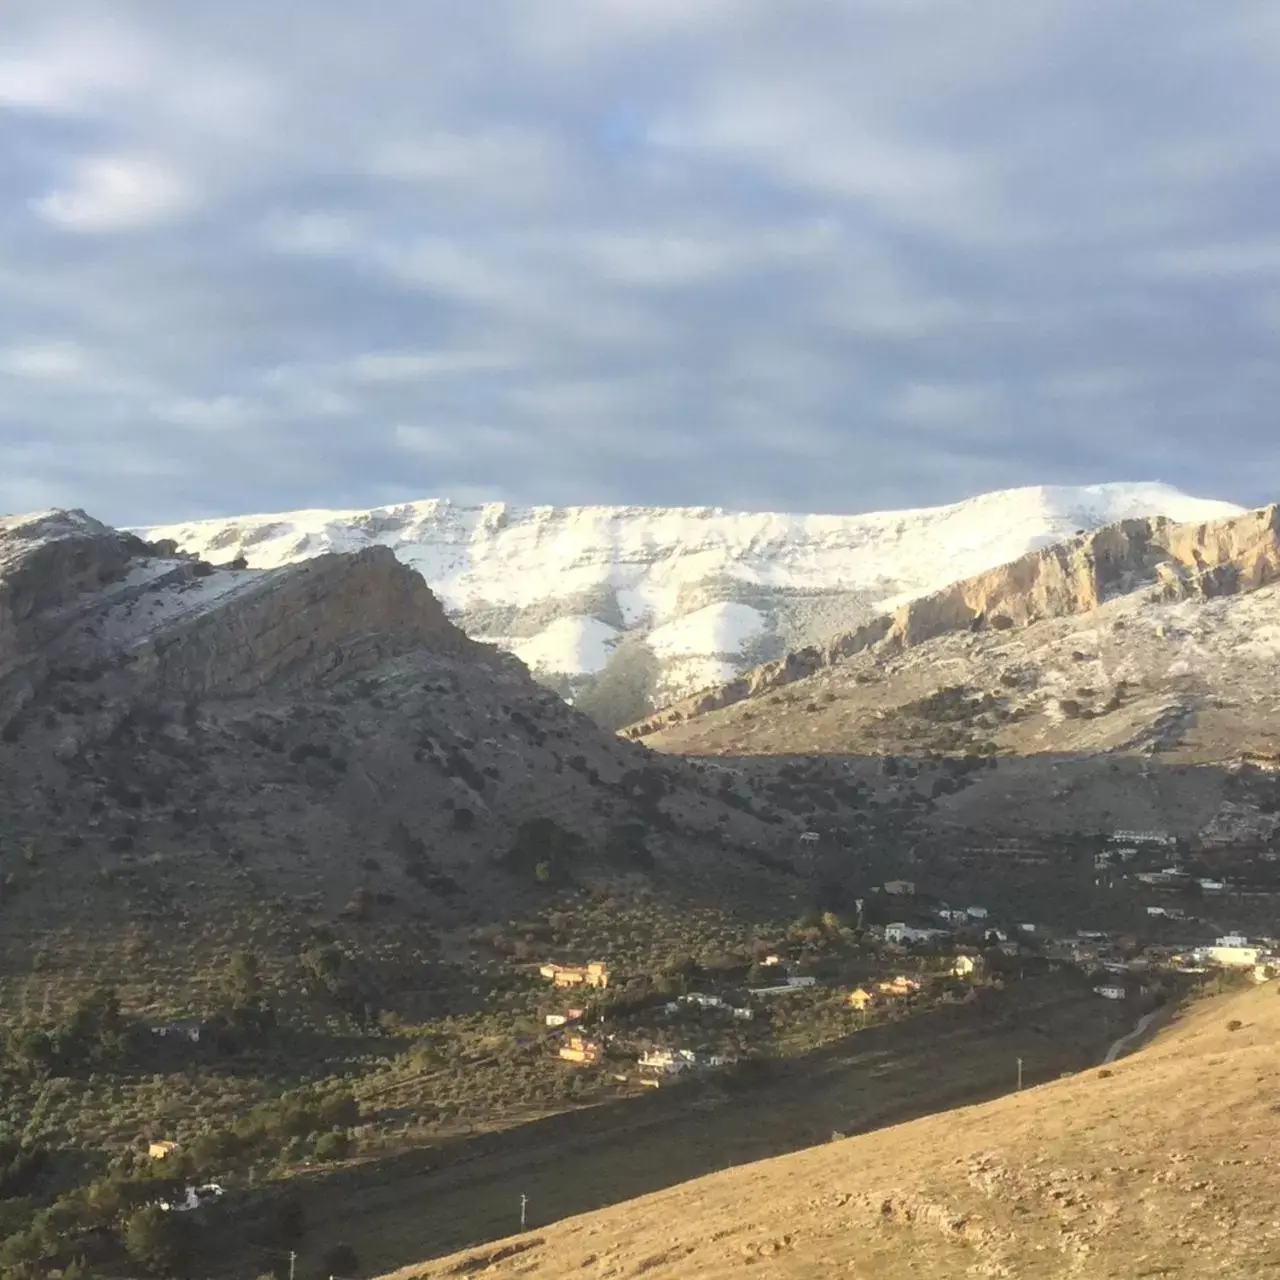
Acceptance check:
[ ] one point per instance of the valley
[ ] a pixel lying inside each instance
(309, 896)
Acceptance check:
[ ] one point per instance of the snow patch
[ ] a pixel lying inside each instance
(719, 628)
(576, 646)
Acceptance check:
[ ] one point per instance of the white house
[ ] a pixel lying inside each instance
(1231, 940)
(976, 913)
(1111, 992)
(1212, 886)
(900, 932)
(802, 982)
(1142, 837)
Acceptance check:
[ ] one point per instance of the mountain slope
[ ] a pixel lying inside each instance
(1091, 645)
(1158, 1166)
(183, 744)
(701, 594)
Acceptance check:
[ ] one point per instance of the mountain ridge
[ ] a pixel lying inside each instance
(1174, 561)
(628, 608)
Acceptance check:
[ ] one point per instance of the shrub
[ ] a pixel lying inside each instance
(333, 1146)
(1234, 1025)
(158, 1240)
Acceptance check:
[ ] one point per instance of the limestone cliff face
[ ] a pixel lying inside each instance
(81, 602)
(325, 616)
(1180, 561)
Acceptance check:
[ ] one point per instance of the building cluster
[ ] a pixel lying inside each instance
(593, 974)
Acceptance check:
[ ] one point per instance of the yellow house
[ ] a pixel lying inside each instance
(595, 974)
(899, 986)
(161, 1150)
(966, 967)
(1234, 957)
(860, 998)
(578, 1049)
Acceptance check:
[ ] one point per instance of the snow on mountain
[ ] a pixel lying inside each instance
(709, 591)
(574, 646)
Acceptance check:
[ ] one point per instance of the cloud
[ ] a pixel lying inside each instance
(116, 193)
(800, 256)
(44, 362)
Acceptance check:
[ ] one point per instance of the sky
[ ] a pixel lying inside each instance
(807, 255)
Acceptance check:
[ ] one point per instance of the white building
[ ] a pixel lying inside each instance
(976, 913)
(802, 982)
(1111, 992)
(900, 932)
(1142, 837)
(1231, 940)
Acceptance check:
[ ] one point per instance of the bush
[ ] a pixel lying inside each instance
(1234, 1025)
(333, 1146)
(158, 1240)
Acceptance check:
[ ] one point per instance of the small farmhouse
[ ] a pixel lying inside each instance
(967, 967)
(900, 888)
(161, 1150)
(860, 998)
(898, 986)
(899, 932)
(189, 1029)
(595, 974)
(580, 1050)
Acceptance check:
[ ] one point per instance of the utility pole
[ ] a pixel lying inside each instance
(1019, 1073)
(524, 1202)
(293, 1262)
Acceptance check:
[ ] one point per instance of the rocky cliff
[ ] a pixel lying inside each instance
(1172, 561)
(315, 621)
(80, 599)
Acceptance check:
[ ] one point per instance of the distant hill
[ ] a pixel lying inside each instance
(626, 608)
(1160, 1165)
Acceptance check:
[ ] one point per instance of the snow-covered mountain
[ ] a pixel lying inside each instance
(627, 607)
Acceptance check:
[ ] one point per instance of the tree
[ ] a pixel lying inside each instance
(623, 690)
(158, 1240)
(244, 978)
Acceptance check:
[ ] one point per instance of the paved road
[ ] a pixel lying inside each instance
(1133, 1039)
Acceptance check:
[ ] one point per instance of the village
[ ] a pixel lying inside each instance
(926, 953)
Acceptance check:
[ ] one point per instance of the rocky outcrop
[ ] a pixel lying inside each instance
(321, 618)
(1180, 561)
(81, 602)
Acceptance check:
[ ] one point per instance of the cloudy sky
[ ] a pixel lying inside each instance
(803, 254)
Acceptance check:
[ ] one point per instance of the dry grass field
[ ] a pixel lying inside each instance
(1161, 1165)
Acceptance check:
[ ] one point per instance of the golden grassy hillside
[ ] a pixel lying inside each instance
(1162, 1165)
